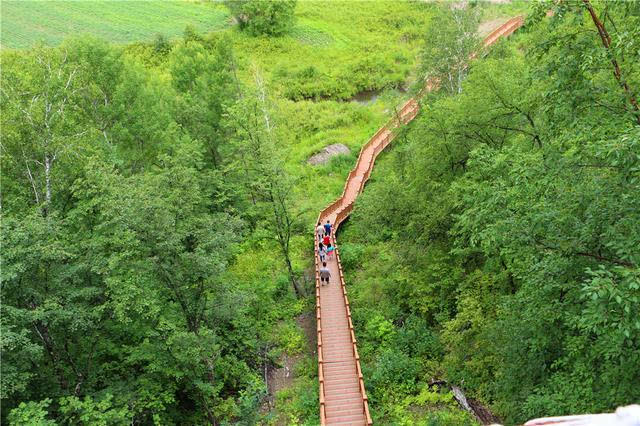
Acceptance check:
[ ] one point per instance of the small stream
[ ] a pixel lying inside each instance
(366, 97)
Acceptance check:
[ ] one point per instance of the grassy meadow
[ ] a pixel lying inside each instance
(25, 23)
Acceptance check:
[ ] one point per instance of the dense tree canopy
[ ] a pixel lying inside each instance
(119, 226)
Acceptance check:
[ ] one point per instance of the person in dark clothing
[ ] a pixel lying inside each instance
(325, 274)
(327, 228)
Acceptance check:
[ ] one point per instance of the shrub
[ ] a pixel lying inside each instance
(263, 17)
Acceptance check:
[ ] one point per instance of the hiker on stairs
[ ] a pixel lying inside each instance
(329, 251)
(325, 274)
(322, 252)
(327, 228)
(320, 231)
(326, 240)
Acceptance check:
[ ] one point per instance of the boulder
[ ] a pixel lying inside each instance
(327, 153)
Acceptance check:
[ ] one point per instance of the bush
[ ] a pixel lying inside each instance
(263, 17)
(395, 374)
(351, 255)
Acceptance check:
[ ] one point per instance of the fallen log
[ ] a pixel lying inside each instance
(476, 409)
(462, 400)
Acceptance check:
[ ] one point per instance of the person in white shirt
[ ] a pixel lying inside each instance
(320, 231)
(322, 252)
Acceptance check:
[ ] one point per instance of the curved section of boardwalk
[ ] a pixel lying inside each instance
(343, 398)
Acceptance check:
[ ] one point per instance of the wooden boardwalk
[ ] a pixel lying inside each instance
(343, 398)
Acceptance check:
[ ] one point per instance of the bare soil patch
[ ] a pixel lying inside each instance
(282, 376)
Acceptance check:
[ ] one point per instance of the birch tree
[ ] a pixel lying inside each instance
(40, 117)
(449, 42)
(259, 148)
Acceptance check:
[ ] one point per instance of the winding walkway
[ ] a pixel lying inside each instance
(343, 398)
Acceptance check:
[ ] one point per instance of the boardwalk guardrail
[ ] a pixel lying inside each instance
(340, 209)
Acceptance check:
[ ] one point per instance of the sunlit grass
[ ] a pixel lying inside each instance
(25, 23)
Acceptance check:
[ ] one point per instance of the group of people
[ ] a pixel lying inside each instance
(325, 250)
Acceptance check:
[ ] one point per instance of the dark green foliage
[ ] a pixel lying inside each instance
(263, 17)
(161, 45)
(121, 222)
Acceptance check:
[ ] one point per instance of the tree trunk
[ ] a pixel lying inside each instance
(462, 400)
(475, 408)
(292, 275)
(31, 179)
(606, 42)
(48, 163)
(47, 174)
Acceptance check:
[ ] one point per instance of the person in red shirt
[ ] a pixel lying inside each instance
(326, 240)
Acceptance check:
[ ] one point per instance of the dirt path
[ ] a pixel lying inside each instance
(282, 377)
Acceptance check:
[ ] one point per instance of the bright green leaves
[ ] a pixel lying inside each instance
(31, 413)
(41, 122)
(602, 73)
(89, 411)
(118, 238)
(612, 309)
(160, 239)
(201, 76)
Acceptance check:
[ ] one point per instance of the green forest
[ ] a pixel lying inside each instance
(158, 213)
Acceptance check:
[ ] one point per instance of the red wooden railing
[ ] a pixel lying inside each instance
(340, 208)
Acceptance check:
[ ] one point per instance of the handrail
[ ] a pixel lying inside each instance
(407, 112)
(323, 415)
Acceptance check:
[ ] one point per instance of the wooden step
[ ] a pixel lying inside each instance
(341, 419)
(328, 374)
(330, 365)
(340, 404)
(342, 393)
(350, 411)
(358, 423)
(338, 337)
(339, 368)
(341, 383)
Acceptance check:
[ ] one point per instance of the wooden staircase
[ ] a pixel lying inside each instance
(343, 398)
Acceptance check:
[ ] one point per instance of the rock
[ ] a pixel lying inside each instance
(327, 152)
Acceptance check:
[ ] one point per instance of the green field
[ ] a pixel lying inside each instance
(27, 22)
